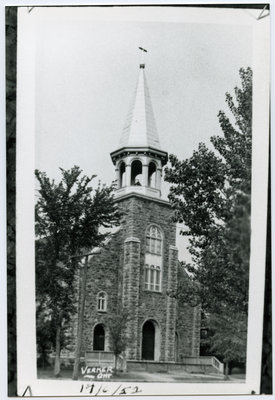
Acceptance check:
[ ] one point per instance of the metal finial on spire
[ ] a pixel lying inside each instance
(142, 64)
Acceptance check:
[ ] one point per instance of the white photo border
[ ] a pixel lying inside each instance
(25, 275)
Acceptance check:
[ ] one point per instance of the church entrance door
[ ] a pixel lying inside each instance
(99, 337)
(148, 341)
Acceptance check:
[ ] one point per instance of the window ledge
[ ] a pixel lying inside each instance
(102, 311)
(152, 291)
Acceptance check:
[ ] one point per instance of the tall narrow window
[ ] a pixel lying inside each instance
(101, 301)
(152, 277)
(122, 175)
(153, 259)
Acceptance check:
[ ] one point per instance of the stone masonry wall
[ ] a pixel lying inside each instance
(130, 291)
(171, 309)
(188, 326)
(103, 275)
(119, 270)
(156, 306)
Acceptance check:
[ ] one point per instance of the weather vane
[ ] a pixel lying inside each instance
(142, 64)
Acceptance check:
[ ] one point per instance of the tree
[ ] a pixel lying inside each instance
(210, 194)
(227, 336)
(44, 336)
(118, 333)
(68, 215)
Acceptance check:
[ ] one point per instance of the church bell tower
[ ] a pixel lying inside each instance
(148, 253)
(139, 158)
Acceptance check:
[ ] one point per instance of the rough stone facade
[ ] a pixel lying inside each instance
(134, 272)
(118, 269)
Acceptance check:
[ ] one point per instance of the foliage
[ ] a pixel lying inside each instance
(187, 289)
(210, 194)
(229, 335)
(46, 333)
(225, 337)
(196, 191)
(45, 338)
(118, 332)
(117, 328)
(68, 216)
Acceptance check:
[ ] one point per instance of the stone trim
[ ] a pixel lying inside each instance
(132, 239)
(130, 289)
(143, 196)
(171, 306)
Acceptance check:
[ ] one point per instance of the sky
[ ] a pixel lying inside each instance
(86, 70)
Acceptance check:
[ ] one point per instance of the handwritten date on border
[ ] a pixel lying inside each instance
(94, 390)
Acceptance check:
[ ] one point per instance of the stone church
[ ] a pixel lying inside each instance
(138, 264)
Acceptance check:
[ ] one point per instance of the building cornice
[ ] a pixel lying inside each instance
(124, 151)
(144, 197)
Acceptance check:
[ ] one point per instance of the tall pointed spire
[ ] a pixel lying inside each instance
(140, 128)
(139, 158)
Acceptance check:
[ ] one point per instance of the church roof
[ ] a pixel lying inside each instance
(140, 127)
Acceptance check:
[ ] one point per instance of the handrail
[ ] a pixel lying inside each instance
(205, 360)
(99, 357)
(217, 364)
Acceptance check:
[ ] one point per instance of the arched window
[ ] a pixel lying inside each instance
(101, 301)
(99, 338)
(136, 173)
(122, 175)
(153, 240)
(153, 259)
(152, 175)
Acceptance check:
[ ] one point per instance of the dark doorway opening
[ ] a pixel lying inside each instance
(148, 341)
(99, 338)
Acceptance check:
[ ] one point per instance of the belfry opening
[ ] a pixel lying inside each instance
(152, 175)
(122, 172)
(136, 173)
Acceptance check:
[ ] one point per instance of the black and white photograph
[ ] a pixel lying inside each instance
(142, 160)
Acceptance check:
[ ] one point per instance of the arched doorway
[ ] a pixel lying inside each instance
(99, 338)
(150, 347)
(148, 341)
